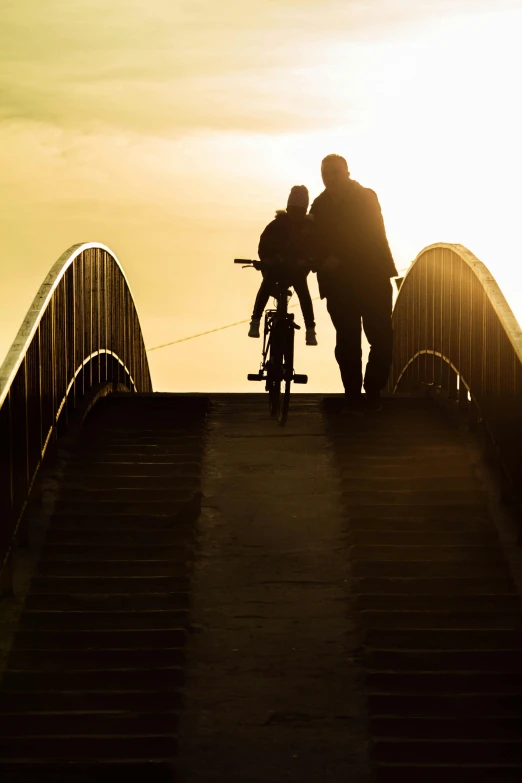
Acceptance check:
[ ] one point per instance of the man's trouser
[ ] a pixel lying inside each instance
(371, 303)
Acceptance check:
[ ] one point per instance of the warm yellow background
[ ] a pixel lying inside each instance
(172, 130)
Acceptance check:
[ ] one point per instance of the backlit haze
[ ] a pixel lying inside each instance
(171, 131)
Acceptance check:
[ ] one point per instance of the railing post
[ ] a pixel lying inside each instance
(453, 391)
(463, 397)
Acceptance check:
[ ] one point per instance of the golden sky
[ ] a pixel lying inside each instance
(172, 130)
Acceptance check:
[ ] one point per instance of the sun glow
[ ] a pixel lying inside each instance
(175, 149)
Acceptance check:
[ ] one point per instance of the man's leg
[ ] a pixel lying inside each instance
(346, 318)
(377, 324)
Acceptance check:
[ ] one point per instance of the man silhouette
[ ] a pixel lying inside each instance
(354, 273)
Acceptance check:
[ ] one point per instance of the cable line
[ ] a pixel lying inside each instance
(211, 331)
(227, 326)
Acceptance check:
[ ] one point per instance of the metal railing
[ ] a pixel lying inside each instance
(454, 329)
(82, 330)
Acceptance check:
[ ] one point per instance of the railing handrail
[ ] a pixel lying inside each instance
(498, 301)
(22, 341)
(455, 332)
(80, 338)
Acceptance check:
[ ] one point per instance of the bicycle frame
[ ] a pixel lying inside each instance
(272, 316)
(278, 350)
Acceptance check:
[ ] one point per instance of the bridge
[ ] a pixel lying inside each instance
(191, 594)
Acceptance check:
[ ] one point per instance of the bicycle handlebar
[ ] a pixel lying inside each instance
(244, 261)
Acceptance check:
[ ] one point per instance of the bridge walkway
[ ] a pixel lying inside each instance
(344, 608)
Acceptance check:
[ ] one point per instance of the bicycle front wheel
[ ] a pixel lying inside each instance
(287, 374)
(275, 370)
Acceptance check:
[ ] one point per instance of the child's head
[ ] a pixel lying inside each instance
(297, 205)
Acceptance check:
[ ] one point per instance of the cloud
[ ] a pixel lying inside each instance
(172, 68)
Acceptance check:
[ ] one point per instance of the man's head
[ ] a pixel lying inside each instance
(335, 173)
(297, 204)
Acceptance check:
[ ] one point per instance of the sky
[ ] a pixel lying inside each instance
(171, 131)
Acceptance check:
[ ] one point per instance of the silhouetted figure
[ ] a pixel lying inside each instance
(354, 273)
(286, 246)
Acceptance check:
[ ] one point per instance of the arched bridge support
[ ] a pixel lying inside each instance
(455, 331)
(80, 333)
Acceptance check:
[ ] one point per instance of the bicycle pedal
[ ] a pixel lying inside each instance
(255, 376)
(300, 379)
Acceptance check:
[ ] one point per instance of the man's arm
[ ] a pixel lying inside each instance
(379, 234)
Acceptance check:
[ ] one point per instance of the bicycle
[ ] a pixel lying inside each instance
(277, 362)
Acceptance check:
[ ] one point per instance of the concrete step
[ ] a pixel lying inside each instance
(432, 705)
(95, 484)
(466, 523)
(447, 728)
(427, 538)
(410, 484)
(88, 748)
(442, 639)
(402, 459)
(135, 452)
(102, 620)
(108, 585)
(107, 602)
(155, 435)
(57, 660)
(190, 429)
(448, 773)
(411, 497)
(447, 752)
(167, 678)
(148, 639)
(486, 682)
(94, 463)
(111, 568)
(116, 724)
(175, 553)
(176, 466)
(427, 511)
(417, 552)
(13, 771)
(105, 700)
(454, 603)
(180, 517)
(128, 506)
(385, 448)
(459, 620)
(429, 569)
(179, 536)
(442, 660)
(350, 469)
(93, 497)
(438, 586)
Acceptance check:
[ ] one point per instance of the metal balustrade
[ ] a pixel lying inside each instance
(81, 331)
(454, 329)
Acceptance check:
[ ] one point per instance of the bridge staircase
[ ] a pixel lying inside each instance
(438, 593)
(96, 673)
(211, 598)
(96, 667)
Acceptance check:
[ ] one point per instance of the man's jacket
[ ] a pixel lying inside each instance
(293, 240)
(351, 228)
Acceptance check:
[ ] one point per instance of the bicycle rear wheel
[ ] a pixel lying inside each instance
(287, 373)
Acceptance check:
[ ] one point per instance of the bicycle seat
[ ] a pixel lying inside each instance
(276, 290)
